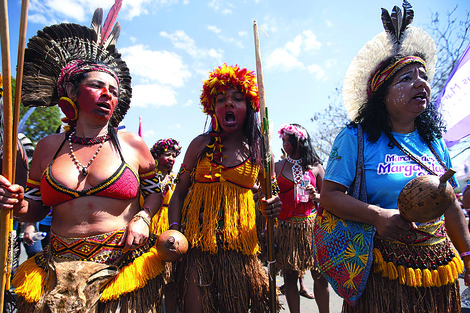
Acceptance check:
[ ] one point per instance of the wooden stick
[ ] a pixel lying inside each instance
(267, 171)
(19, 76)
(5, 215)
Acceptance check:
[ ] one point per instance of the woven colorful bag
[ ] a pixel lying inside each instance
(342, 248)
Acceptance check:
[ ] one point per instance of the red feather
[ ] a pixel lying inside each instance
(110, 20)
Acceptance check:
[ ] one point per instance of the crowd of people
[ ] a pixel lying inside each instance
(104, 197)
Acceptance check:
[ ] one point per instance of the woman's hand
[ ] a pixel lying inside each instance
(28, 232)
(136, 234)
(271, 208)
(10, 195)
(390, 225)
(312, 193)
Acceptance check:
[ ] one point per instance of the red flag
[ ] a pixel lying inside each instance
(140, 126)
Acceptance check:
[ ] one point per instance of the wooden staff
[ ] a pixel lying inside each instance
(5, 215)
(10, 134)
(267, 171)
(19, 75)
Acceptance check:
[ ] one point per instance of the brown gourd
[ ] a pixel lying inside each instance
(426, 198)
(171, 245)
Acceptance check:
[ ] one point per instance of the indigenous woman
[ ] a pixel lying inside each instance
(299, 177)
(213, 202)
(165, 151)
(101, 257)
(387, 92)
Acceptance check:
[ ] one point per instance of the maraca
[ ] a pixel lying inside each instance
(171, 245)
(426, 198)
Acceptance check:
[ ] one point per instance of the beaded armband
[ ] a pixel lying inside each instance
(181, 172)
(32, 191)
(150, 183)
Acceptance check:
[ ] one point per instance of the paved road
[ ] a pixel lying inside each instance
(336, 303)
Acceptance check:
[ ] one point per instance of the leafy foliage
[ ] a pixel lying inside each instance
(43, 121)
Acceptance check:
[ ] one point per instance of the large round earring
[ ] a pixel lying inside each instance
(69, 108)
(215, 123)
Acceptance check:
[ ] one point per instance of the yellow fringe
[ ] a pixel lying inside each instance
(378, 261)
(427, 278)
(410, 277)
(435, 278)
(419, 277)
(221, 201)
(29, 281)
(402, 274)
(392, 271)
(445, 274)
(134, 276)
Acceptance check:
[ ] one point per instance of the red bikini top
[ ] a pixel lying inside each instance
(123, 184)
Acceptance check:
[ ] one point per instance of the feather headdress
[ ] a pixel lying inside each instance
(368, 68)
(57, 47)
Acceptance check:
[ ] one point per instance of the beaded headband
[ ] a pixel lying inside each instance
(165, 145)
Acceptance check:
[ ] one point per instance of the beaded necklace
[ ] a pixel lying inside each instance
(83, 168)
(88, 141)
(296, 169)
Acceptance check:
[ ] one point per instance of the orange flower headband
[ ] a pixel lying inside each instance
(225, 77)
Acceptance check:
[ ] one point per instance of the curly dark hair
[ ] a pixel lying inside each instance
(309, 155)
(252, 132)
(374, 119)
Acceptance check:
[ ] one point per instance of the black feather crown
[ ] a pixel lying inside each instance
(56, 46)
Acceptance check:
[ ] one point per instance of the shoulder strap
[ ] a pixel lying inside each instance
(359, 184)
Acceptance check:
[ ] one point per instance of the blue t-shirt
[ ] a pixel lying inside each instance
(386, 170)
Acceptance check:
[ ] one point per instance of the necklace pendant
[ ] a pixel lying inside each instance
(84, 171)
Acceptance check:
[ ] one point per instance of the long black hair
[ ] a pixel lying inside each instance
(374, 118)
(308, 154)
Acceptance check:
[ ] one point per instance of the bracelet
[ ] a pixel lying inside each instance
(466, 253)
(140, 216)
(146, 209)
(174, 223)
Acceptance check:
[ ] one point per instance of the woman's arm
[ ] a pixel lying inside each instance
(388, 222)
(184, 183)
(457, 229)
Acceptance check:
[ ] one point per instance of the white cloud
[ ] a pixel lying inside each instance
(164, 67)
(188, 103)
(242, 33)
(329, 23)
(316, 70)
(214, 29)
(153, 95)
(221, 6)
(281, 59)
(289, 57)
(182, 41)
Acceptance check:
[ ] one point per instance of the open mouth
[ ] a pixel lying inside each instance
(421, 96)
(229, 117)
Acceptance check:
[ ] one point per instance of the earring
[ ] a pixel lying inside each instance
(69, 108)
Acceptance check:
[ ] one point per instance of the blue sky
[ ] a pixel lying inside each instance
(171, 45)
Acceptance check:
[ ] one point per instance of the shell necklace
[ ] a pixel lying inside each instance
(82, 168)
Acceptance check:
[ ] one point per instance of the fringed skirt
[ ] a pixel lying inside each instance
(418, 274)
(91, 275)
(230, 282)
(294, 240)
